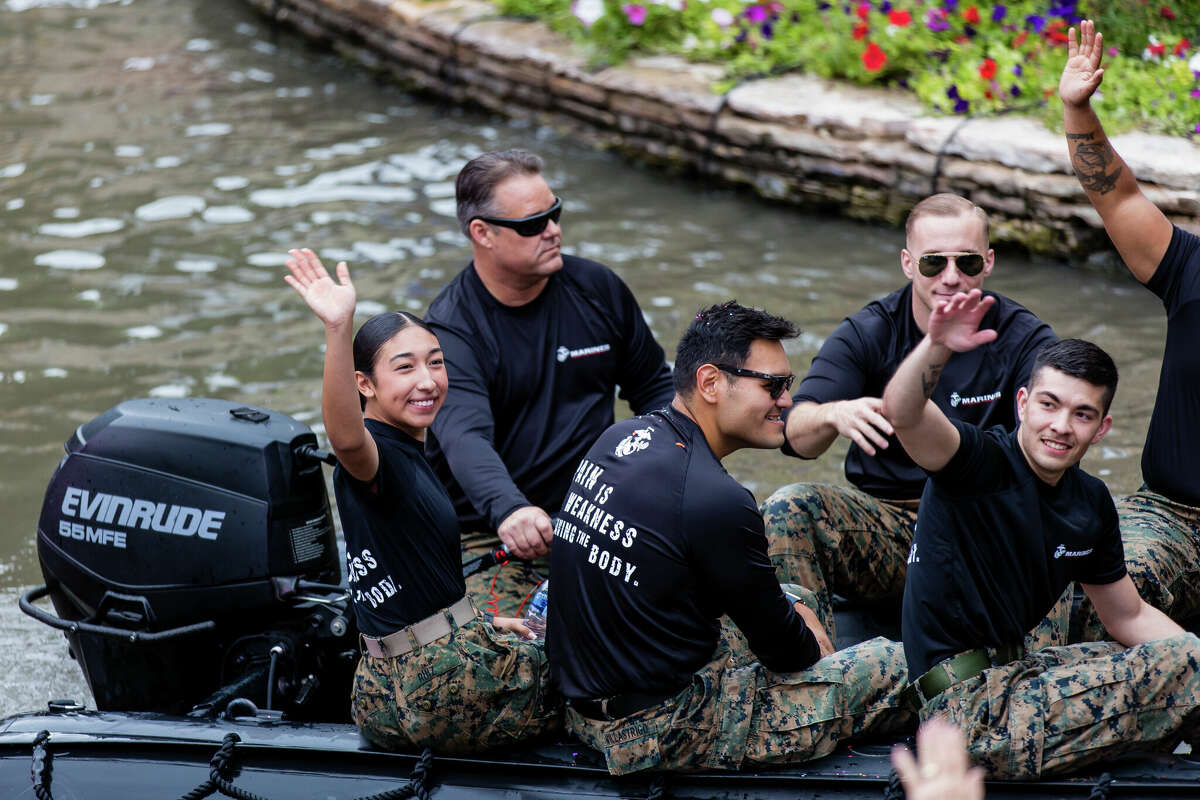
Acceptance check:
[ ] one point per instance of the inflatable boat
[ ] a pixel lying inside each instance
(190, 558)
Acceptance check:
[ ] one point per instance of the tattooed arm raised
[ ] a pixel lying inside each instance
(925, 431)
(1140, 231)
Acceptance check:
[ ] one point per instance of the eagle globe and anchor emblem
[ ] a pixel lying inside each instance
(634, 442)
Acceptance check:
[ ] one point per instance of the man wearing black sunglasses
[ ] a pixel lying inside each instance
(536, 344)
(656, 541)
(854, 540)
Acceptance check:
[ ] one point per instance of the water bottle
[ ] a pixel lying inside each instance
(535, 617)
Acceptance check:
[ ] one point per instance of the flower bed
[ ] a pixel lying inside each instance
(958, 57)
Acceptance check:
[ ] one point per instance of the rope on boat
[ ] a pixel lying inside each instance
(419, 785)
(220, 767)
(40, 768)
(1100, 790)
(894, 789)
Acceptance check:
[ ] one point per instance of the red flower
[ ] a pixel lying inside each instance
(1157, 49)
(1021, 37)
(988, 69)
(874, 58)
(900, 18)
(1057, 31)
(862, 11)
(1167, 12)
(860, 30)
(971, 15)
(987, 93)
(1182, 47)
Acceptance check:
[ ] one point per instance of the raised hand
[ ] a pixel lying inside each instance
(955, 323)
(332, 302)
(1082, 73)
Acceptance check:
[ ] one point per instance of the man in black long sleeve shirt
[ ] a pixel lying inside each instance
(655, 542)
(536, 344)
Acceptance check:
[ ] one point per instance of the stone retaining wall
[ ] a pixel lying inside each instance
(865, 153)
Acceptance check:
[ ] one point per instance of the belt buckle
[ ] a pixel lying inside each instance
(604, 708)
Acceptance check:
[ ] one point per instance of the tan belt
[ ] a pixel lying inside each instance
(419, 634)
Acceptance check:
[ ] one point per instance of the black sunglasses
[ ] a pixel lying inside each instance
(528, 226)
(776, 384)
(970, 264)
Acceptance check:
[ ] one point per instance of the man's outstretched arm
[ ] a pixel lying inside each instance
(928, 436)
(1140, 231)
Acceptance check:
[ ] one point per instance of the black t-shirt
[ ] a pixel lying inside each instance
(1171, 458)
(402, 553)
(995, 546)
(655, 542)
(531, 387)
(979, 387)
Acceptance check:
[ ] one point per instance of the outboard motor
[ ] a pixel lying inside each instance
(189, 551)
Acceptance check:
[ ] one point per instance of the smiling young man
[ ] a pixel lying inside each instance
(656, 541)
(853, 540)
(536, 344)
(1007, 520)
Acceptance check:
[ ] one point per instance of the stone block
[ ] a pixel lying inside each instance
(1005, 204)
(666, 79)
(1017, 142)
(578, 89)
(643, 108)
(796, 99)
(587, 112)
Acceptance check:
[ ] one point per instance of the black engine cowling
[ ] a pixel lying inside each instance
(191, 540)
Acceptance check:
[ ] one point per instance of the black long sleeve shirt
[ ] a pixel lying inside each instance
(655, 542)
(531, 387)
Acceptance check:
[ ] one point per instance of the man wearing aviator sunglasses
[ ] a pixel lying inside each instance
(854, 540)
(536, 344)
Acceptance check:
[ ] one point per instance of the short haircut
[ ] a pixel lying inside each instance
(475, 187)
(945, 205)
(722, 334)
(374, 334)
(1079, 359)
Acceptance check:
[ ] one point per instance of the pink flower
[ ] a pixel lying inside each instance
(635, 13)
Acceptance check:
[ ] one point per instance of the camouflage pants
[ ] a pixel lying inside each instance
(502, 589)
(1063, 708)
(1162, 552)
(731, 717)
(835, 539)
(474, 690)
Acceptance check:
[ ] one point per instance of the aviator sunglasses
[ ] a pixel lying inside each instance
(969, 264)
(776, 384)
(532, 225)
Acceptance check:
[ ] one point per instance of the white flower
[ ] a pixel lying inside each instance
(588, 11)
(722, 17)
(1194, 62)
(676, 5)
